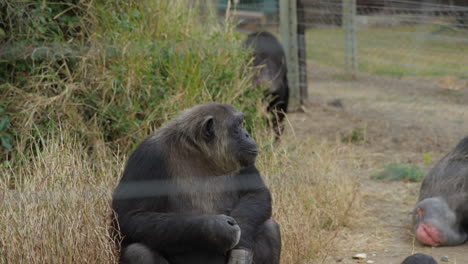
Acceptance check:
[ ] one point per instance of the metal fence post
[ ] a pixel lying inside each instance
(288, 33)
(349, 28)
(301, 39)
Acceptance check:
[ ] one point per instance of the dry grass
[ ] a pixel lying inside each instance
(314, 193)
(59, 210)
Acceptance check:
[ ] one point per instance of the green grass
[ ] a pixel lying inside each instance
(394, 51)
(453, 93)
(357, 135)
(400, 172)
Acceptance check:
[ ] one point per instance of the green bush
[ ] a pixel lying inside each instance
(113, 71)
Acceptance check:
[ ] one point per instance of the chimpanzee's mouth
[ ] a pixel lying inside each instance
(251, 151)
(428, 235)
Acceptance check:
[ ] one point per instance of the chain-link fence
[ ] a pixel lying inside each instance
(394, 37)
(410, 57)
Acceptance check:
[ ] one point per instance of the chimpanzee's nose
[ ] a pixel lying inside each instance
(232, 222)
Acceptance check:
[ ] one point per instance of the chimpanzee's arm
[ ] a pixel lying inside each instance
(254, 206)
(145, 218)
(177, 233)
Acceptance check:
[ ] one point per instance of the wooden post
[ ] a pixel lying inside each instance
(349, 28)
(288, 33)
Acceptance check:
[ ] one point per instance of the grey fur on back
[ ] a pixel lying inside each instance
(449, 177)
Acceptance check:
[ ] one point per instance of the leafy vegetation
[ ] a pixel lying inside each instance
(399, 172)
(357, 135)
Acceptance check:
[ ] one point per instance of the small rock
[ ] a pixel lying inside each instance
(370, 262)
(336, 103)
(444, 259)
(360, 256)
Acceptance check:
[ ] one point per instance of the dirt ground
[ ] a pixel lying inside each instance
(401, 120)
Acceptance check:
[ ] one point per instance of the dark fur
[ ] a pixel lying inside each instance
(419, 259)
(187, 190)
(269, 55)
(443, 199)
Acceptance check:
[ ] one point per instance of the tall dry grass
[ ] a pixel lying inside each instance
(59, 210)
(315, 194)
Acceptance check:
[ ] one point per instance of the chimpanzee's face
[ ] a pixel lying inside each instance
(240, 143)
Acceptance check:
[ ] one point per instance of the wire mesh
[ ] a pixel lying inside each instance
(394, 37)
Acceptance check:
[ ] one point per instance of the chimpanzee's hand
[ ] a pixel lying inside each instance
(221, 230)
(240, 256)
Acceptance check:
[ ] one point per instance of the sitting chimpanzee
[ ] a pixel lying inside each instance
(191, 193)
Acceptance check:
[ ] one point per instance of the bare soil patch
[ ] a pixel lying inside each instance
(402, 120)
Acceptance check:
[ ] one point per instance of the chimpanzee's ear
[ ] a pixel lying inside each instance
(208, 128)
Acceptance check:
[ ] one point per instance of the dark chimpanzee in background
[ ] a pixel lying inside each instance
(269, 56)
(419, 258)
(191, 193)
(441, 216)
